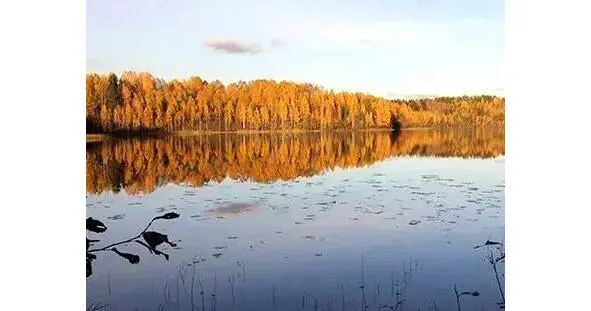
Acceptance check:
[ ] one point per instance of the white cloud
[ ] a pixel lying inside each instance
(231, 46)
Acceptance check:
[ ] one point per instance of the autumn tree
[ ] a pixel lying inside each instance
(140, 102)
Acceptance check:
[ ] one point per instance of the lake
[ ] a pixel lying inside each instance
(367, 220)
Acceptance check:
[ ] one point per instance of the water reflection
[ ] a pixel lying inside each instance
(142, 165)
(232, 209)
(290, 230)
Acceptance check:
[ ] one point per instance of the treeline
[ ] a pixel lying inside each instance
(140, 102)
(142, 165)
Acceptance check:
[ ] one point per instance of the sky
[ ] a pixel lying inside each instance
(394, 49)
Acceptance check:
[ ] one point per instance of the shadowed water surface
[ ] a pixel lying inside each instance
(318, 221)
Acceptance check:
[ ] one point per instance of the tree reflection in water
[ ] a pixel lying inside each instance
(141, 165)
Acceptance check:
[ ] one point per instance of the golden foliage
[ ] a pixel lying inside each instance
(140, 102)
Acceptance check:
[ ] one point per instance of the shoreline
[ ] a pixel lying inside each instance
(105, 136)
(98, 137)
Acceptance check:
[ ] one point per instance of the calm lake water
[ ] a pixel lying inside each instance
(317, 221)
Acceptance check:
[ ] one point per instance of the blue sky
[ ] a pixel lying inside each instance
(390, 48)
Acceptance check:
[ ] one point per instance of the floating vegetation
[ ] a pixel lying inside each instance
(421, 193)
(116, 217)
